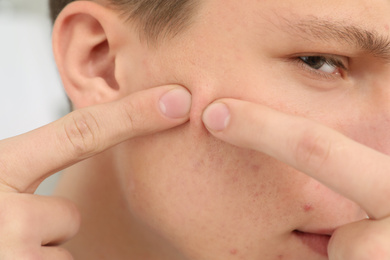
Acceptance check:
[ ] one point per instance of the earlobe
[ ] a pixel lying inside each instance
(84, 49)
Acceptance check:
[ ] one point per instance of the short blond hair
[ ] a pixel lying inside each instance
(155, 18)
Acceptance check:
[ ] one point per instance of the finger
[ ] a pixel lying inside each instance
(366, 239)
(27, 159)
(57, 253)
(37, 252)
(36, 220)
(59, 220)
(346, 166)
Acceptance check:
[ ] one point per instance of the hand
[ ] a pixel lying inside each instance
(31, 226)
(323, 154)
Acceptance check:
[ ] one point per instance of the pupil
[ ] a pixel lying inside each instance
(316, 62)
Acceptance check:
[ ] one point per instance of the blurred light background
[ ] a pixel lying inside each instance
(31, 94)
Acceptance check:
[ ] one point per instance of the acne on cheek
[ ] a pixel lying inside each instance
(234, 251)
(307, 207)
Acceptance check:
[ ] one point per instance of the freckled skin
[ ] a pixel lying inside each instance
(184, 195)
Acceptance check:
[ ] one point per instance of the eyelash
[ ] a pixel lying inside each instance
(334, 61)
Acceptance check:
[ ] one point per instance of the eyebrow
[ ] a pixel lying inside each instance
(369, 41)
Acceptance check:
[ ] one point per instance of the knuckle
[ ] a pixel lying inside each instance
(312, 148)
(137, 115)
(81, 132)
(130, 112)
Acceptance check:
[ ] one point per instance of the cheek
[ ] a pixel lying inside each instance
(184, 181)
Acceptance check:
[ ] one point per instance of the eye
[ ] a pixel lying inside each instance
(324, 64)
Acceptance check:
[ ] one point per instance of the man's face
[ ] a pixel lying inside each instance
(211, 200)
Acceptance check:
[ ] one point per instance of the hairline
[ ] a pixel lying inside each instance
(153, 30)
(152, 27)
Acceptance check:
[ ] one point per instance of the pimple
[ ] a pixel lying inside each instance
(387, 27)
(307, 207)
(233, 251)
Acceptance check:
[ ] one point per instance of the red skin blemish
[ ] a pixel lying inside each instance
(233, 252)
(307, 207)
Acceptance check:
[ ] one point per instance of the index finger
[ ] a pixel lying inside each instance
(352, 169)
(28, 159)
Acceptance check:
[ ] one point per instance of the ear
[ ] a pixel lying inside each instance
(87, 38)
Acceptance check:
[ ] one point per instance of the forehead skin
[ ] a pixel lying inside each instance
(269, 22)
(262, 29)
(234, 202)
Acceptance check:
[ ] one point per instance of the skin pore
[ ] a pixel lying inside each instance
(183, 194)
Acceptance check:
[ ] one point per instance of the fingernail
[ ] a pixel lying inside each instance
(176, 103)
(216, 117)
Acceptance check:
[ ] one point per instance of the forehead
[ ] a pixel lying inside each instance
(372, 13)
(230, 23)
(226, 32)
